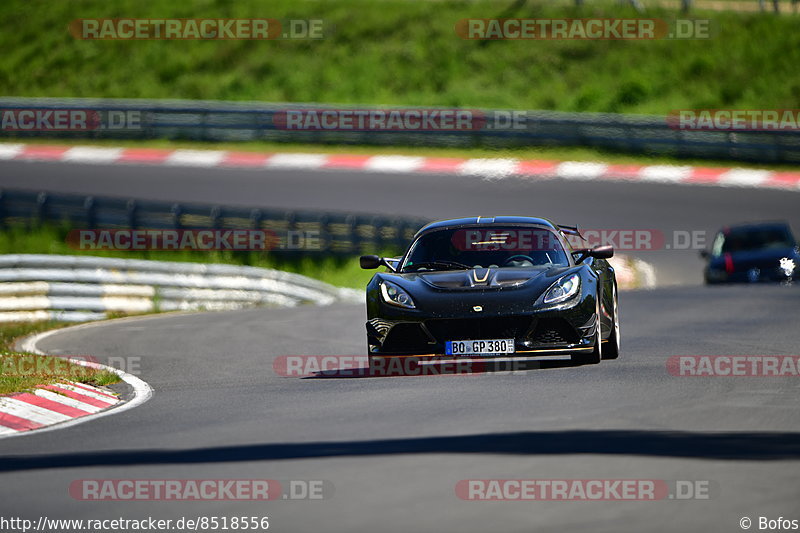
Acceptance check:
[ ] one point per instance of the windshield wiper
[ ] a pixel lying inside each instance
(428, 264)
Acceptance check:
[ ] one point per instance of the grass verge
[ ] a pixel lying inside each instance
(24, 371)
(400, 52)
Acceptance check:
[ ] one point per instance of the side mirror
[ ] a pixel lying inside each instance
(598, 252)
(369, 262)
(602, 252)
(704, 254)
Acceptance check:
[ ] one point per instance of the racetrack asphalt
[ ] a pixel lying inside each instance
(394, 448)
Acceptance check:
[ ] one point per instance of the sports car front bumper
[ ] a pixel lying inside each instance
(547, 331)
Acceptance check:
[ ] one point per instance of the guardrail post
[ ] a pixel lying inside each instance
(41, 207)
(406, 233)
(389, 233)
(778, 148)
(175, 211)
(352, 233)
(730, 139)
(215, 215)
(291, 221)
(255, 218)
(255, 224)
(89, 208)
(372, 235)
(324, 235)
(130, 209)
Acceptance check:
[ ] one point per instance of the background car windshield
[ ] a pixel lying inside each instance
(748, 239)
(487, 247)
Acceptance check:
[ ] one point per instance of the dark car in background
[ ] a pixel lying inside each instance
(494, 286)
(751, 253)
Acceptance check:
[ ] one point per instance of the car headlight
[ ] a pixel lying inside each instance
(394, 295)
(787, 265)
(563, 289)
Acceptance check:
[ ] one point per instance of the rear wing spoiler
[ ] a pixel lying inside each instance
(569, 230)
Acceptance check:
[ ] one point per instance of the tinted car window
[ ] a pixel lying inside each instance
(748, 239)
(486, 247)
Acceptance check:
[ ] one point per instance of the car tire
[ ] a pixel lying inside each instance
(596, 355)
(611, 349)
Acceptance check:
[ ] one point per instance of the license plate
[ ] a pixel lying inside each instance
(480, 347)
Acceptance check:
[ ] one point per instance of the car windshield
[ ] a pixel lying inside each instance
(748, 239)
(479, 247)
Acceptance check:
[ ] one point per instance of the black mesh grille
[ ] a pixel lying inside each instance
(554, 331)
(478, 328)
(406, 338)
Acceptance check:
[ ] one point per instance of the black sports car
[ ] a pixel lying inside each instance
(480, 287)
(750, 253)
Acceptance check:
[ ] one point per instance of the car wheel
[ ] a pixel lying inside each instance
(611, 349)
(596, 355)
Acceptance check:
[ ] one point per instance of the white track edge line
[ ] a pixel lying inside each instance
(142, 391)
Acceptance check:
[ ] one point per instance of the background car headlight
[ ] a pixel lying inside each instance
(563, 289)
(787, 266)
(394, 295)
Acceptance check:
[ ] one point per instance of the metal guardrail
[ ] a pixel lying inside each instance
(717, 5)
(79, 288)
(337, 233)
(248, 121)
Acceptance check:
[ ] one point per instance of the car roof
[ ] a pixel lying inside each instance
(487, 221)
(775, 224)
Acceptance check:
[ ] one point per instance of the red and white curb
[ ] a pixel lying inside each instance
(65, 404)
(488, 168)
(51, 404)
